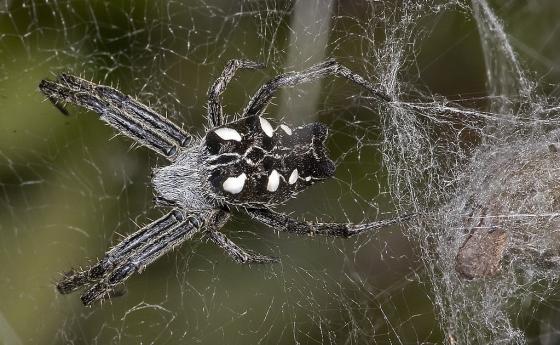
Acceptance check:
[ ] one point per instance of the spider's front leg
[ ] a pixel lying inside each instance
(122, 251)
(262, 97)
(120, 111)
(283, 222)
(144, 256)
(215, 112)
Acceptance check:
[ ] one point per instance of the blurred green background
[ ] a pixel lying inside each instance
(69, 188)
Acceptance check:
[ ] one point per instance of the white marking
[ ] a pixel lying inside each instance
(308, 178)
(234, 185)
(286, 129)
(273, 181)
(266, 127)
(228, 134)
(293, 177)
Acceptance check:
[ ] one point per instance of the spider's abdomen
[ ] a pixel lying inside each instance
(252, 162)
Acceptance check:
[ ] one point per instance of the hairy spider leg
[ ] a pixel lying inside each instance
(144, 257)
(130, 106)
(119, 253)
(237, 253)
(115, 117)
(215, 111)
(262, 97)
(127, 247)
(258, 104)
(283, 222)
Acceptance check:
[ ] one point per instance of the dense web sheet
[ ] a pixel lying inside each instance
(469, 143)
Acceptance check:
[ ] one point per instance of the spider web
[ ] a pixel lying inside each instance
(466, 145)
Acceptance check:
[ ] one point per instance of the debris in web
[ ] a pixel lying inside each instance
(489, 238)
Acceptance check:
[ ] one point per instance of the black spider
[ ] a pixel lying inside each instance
(249, 164)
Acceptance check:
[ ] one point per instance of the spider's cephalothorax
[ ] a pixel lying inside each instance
(250, 164)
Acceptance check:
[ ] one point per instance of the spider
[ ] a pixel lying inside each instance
(250, 164)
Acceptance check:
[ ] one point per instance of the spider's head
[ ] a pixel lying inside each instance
(253, 162)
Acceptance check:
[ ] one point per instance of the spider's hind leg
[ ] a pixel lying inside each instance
(283, 222)
(263, 96)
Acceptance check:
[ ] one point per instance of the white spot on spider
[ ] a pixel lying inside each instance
(228, 134)
(273, 181)
(286, 129)
(234, 185)
(266, 127)
(293, 177)
(308, 178)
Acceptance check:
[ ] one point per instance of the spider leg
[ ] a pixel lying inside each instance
(73, 281)
(262, 97)
(143, 258)
(130, 106)
(283, 222)
(215, 112)
(238, 254)
(119, 111)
